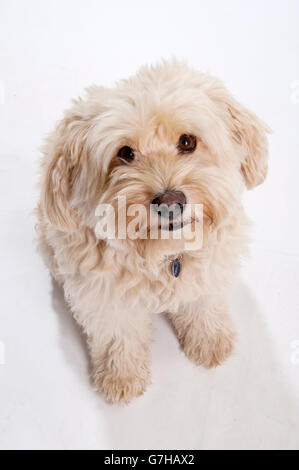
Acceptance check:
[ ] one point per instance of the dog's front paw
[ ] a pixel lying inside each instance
(118, 389)
(209, 351)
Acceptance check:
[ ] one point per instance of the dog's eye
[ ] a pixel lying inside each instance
(126, 154)
(187, 143)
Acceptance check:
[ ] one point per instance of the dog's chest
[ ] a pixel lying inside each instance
(177, 281)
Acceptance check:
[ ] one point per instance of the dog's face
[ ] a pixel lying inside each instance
(169, 135)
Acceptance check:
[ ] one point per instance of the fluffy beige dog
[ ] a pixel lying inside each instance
(168, 135)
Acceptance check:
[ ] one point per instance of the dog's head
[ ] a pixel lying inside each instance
(168, 135)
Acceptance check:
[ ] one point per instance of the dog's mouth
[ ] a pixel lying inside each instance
(171, 225)
(174, 225)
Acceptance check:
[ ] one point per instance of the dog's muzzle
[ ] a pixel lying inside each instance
(170, 206)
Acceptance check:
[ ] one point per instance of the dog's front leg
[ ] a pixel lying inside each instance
(205, 332)
(120, 355)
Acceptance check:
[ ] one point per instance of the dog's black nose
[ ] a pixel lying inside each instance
(170, 198)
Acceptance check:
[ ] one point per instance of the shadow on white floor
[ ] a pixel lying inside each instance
(244, 404)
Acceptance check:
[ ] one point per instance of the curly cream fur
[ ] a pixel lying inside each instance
(115, 286)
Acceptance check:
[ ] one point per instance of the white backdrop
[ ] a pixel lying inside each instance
(49, 51)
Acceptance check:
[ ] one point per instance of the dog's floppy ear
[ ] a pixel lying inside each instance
(250, 134)
(64, 151)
